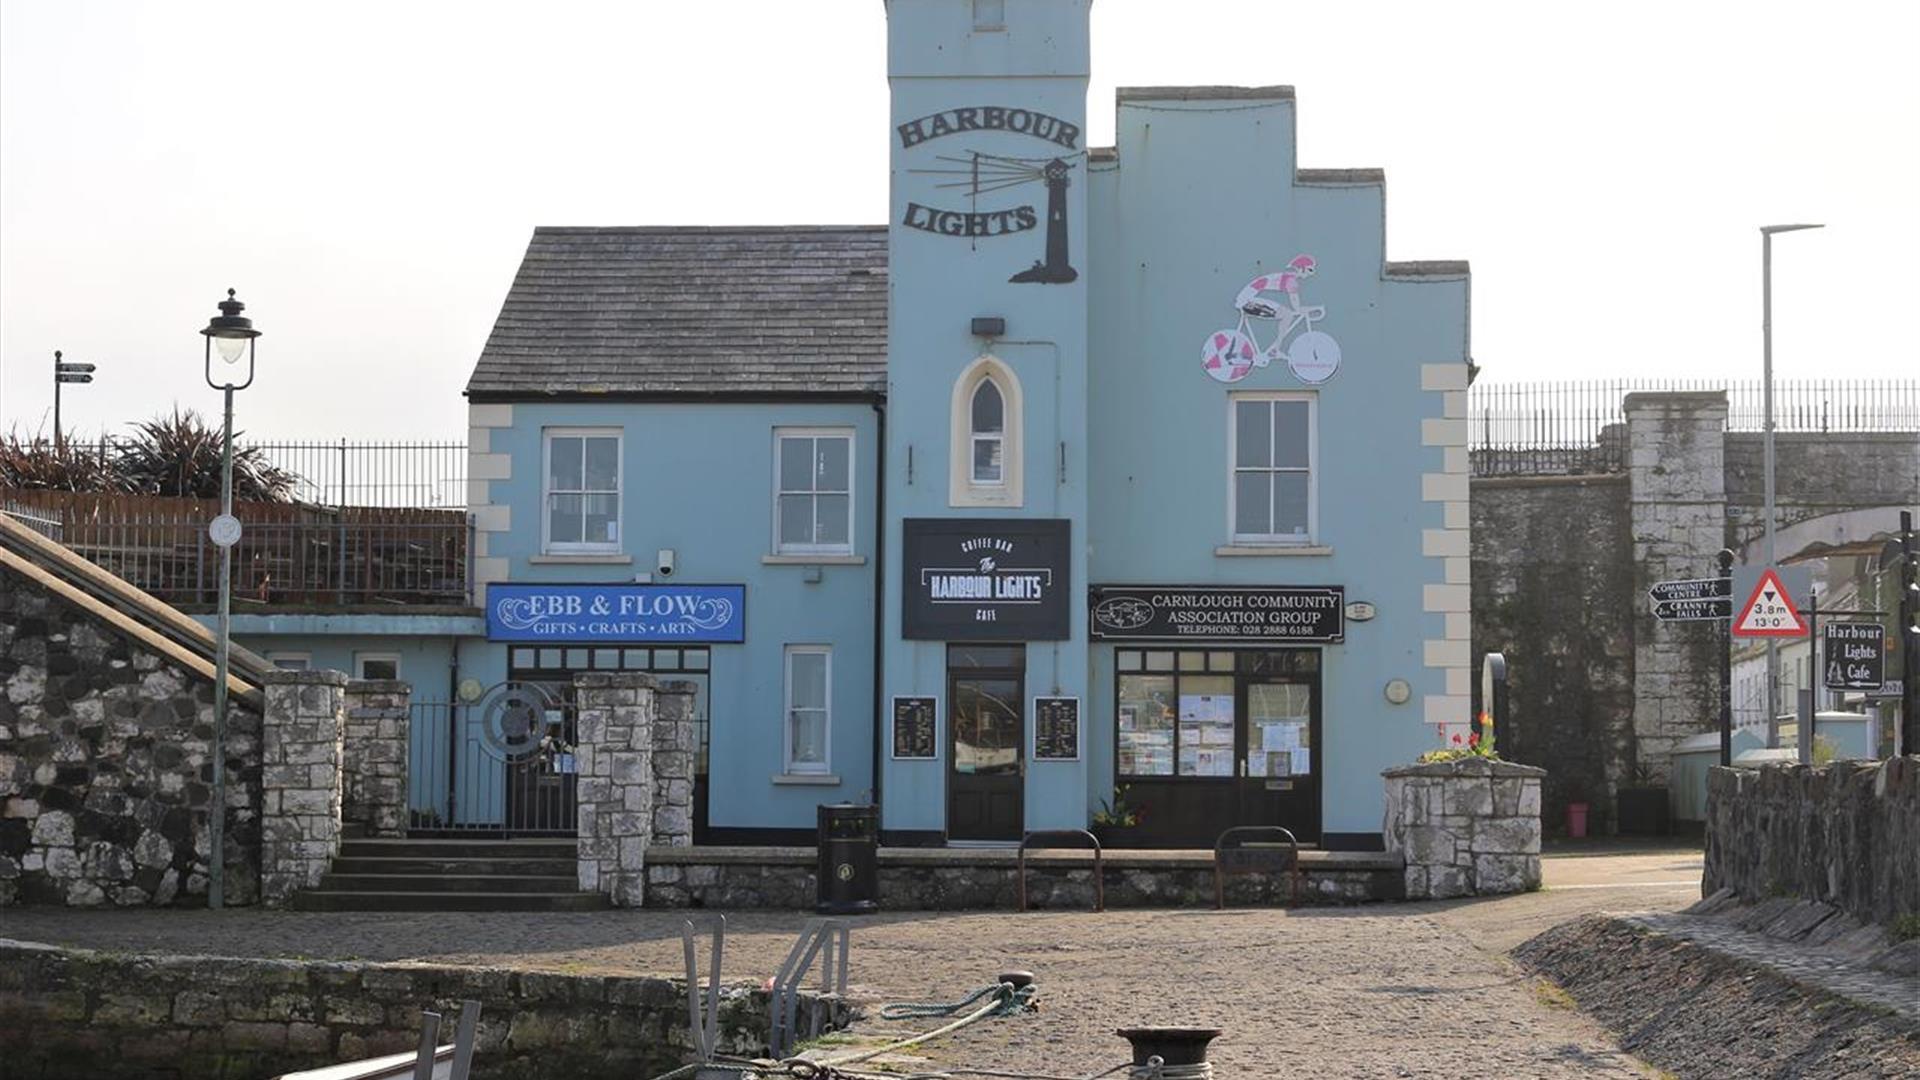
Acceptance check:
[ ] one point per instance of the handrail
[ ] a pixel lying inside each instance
(1099, 867)
(1278, 833)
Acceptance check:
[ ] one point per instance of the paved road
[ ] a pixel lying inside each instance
(1387, 990)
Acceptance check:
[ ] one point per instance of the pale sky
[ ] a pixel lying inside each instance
(367, 174)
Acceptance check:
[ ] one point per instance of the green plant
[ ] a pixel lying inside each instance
(179, 454)
(1824, 750)
(33, 461)
(1114, 813)
(1906, 927)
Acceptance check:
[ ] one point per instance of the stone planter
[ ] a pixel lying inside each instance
(1466, 828)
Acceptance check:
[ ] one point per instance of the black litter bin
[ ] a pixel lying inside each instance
(849, 872)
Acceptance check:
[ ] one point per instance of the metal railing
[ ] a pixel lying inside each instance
(288, 554)
(416, 474)
(45, 522)
(1568, 428)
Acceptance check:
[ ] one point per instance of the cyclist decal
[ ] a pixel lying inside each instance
(1231, 354)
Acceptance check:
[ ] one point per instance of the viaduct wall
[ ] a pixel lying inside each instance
(1600, 691)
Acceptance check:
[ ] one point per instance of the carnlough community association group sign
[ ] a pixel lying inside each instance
(1303, 613)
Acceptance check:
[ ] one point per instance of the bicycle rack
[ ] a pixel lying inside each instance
(1099, 870)
(1256, 857)
(705, 1030)
(819, 937)
(462, 1065)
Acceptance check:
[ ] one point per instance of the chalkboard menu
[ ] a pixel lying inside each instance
(914, 737)
(1056, 729)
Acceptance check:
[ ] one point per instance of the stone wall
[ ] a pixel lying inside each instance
(302, 751)
(1846, 834)
(1553, 591)
(1469, 827)
(374, 802)
(69, 1012)
(105, 765)
(938, 879)
(635, 755)
(1817, 473)
(1676, 468)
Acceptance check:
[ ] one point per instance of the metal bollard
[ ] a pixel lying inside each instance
(1181, 1050)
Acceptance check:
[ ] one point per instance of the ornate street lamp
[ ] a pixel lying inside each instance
(232, 336)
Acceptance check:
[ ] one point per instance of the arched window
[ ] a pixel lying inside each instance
(986, 436)
(989, 433)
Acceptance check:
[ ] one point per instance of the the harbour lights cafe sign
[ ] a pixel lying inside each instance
(977, 175)
(986, 579)
(690, 614)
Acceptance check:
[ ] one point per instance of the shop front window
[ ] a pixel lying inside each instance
(1178, 713)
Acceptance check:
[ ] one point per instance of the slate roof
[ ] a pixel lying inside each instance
(692, 311)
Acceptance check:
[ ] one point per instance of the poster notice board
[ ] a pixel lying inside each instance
(915, 735)
(1056, 729)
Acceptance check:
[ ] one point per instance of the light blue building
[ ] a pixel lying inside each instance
(1135, 467)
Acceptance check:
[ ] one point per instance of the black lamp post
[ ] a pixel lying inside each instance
(232, 336)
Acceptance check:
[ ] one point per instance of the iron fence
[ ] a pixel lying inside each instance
(45, 522)
(430, 474)
(288, 553)
(1566, 428)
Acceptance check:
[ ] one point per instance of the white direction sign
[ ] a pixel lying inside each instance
(224, 530)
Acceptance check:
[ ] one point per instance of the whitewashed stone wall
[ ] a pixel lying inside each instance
(375, 799)
(1466, 828)
(303, 736)
(635, 755)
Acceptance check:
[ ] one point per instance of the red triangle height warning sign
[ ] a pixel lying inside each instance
(1769, 612)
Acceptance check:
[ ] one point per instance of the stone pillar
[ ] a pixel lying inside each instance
(375, 798)
(615, 792)
(302, 748)
(1677, 495)
(1469, 827)
(673, 753)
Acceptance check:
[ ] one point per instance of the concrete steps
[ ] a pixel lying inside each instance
(451, 875)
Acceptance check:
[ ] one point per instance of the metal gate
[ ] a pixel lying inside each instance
(501, 765)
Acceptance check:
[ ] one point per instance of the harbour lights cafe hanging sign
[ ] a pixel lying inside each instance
(691, 614)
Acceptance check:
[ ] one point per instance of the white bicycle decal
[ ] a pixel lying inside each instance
(1231, 354)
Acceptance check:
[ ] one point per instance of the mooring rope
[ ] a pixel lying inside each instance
(1013, 1000)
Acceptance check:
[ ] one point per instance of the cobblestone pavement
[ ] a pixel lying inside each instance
(1386, 990)
(1805, 963)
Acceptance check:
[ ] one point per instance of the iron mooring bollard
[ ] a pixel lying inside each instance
(1172, 1045)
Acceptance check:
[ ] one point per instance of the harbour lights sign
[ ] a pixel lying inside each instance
(693, 614)
(985, 579)
(977, 174)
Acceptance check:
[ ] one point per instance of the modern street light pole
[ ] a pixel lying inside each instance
(232, 335)
(1766, 347)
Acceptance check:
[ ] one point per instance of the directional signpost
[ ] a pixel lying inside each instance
(1688, 601)
(65, 372)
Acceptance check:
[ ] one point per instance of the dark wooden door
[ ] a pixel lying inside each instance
(1278, 743)
(986, 714)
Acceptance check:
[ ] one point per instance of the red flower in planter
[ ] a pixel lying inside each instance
(1456, 740)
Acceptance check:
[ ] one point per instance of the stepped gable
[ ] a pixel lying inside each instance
(683, 311)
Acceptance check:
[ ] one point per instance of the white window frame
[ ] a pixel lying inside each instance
(305, 659)
(790, 767)
(360, 662)
(783, 433)
(595, 547)
(962, 488)
(1234, 536)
